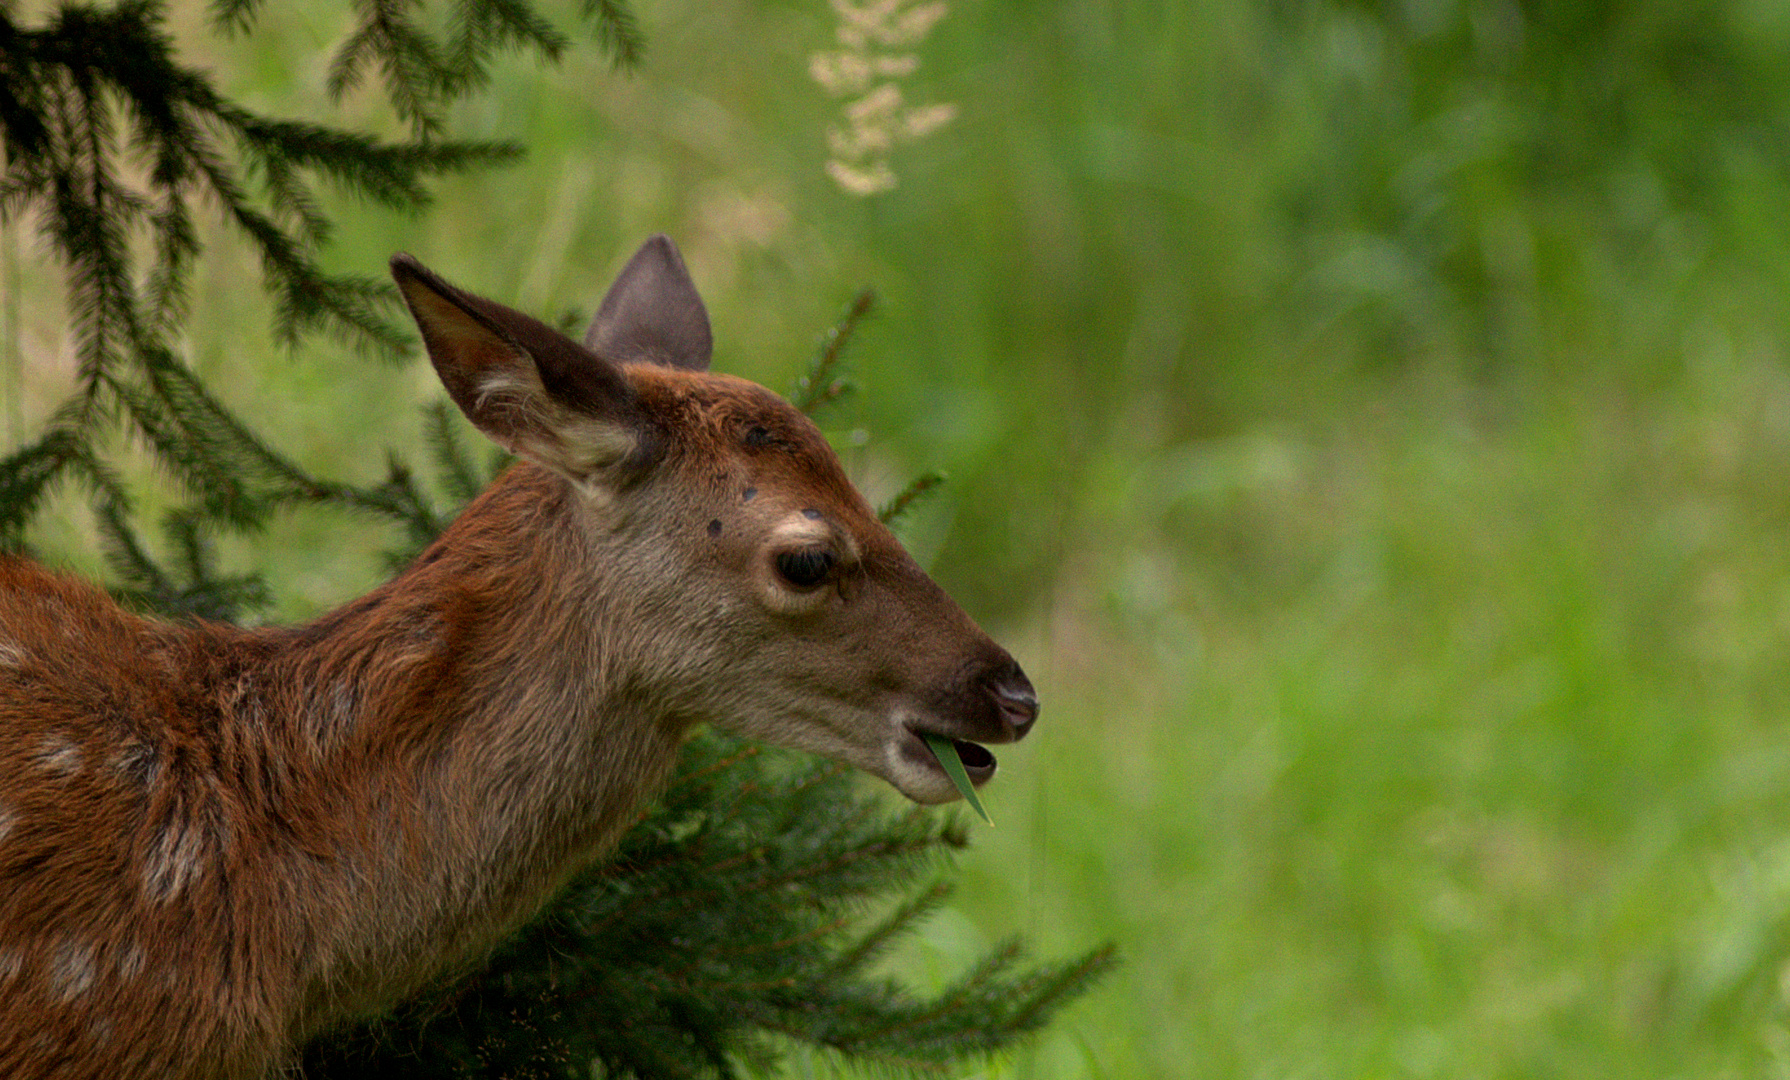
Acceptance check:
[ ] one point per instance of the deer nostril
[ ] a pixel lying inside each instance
(1018, 704)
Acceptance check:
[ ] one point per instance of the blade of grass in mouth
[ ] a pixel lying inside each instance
(943, 749)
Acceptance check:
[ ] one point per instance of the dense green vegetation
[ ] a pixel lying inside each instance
(1371, 424)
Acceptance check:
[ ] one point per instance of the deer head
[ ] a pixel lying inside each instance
(757, 590)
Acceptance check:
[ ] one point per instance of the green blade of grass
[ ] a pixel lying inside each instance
(943, 749)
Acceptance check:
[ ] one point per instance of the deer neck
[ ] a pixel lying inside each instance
(499, 731)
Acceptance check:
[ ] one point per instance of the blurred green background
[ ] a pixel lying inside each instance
(1369, 424)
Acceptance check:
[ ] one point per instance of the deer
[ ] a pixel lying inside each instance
(218, 842)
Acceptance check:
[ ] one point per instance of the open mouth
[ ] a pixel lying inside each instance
(977, 761)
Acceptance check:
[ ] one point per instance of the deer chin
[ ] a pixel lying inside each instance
(915, 771)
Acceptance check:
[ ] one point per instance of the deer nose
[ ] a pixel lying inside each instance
(1017, 701)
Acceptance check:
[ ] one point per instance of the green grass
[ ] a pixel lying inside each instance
(1381, 465)
(1410, 747)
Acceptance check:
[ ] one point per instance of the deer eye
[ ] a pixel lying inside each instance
(805, 568)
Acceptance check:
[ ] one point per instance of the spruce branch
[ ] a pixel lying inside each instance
(125, 554)
(31, 473)
(820, 385)
(916, 491)
(459, 476)
(93, 83)
(481, 27)
(416, 70)
(390, 174)
(147, 586)
(876, 942)
(187, 455)
(421, 73)
(617, 31)
(232, 17)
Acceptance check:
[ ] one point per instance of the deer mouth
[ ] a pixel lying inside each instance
(978, 762)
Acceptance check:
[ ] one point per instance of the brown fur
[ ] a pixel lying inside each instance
(217, 842)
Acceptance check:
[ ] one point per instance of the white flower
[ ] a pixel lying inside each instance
(917, 123)
(914, 25)
(875, 108)
(842, 72)
(878, 117)
(862, 181)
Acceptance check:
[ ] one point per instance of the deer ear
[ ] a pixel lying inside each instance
(528, 387)
(652, 313)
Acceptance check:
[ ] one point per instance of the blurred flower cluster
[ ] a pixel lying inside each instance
(876, 38)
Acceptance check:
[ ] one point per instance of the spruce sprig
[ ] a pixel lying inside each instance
(822, 384)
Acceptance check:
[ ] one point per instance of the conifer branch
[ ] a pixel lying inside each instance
(125, 554)
(481, 27)
(820, 385)
(617, 32)
(453, 464)
(916, 491)
(29, 474)
(874, 943)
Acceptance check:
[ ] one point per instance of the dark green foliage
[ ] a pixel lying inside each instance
(93, 84)
(736, 919)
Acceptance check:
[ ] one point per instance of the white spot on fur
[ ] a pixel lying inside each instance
(10, 965)
(59, 756)
(131, 962)
(175, 860)
(71, 970)
(11, 655)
